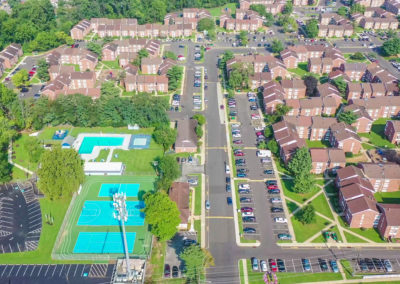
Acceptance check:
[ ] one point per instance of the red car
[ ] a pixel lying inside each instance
(208, 48)
(272, 265)
(272, 186)
(259, 133)
(238, 154)
(246, 209)
(237, 142)
(32, 73)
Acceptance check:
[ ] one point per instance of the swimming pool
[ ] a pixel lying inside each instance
(90, 142)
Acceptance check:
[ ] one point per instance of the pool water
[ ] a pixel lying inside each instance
(89, 143)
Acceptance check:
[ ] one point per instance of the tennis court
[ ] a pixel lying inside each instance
(101, 213)
(140, 141)
(108, 189)
(103, 242)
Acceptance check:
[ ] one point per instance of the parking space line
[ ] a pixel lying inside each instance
(41, 266)
(55, 268)
(294, 267)
(76, 268)
(25, 270)
(61, 270)
(33, 269)
(47, 270)
(5, 268)
(397, 262)
(83, 269)
(69, 267)
(12, 268)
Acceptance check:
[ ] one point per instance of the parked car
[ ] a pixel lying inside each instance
(253, 107)
(193, 181)
(244, 191)
(363, 265)
(269, 172)
(244, 186)
(388, 265)
(323, 264)
(266, 161)
(306, 264)
(236, 135)
(175, 271)
(237, 141)
(189, 242)
(276, 200)
(254, 264)
(334, 266)
(245, 200)
(276, 209)
(249, 230)
(280, 220)
(272, 186)
(238, 154)
(264, 267)
(249, 219)
(274, 191)
(227, 170)
(281, 265)
(378, 264)
(228, 188)
(246, 209)
(284, 237)
(229, 200)
(272, 265)
(370, 264)
(255, 116)
(167, 271)
(228, 179)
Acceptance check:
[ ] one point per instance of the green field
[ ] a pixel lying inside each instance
(317, 144)
(67, 238)
(321, 205)
(301, 69)
(287, 186)
(138, 162)
(377, 136)
(388, 197)
(305, 231)
(353, 239)
(111, 64)
(291, 206)
(371, 234)
(321, 238)
(197, 196)
(217, 11)
(103, 155)
(21, 153)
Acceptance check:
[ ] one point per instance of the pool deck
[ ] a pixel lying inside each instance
(96, 149)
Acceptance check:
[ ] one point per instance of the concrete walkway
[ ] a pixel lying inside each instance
(245, 275)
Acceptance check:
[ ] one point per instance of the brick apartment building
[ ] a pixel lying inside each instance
(392, 131)
(327, 159)
(344, 137)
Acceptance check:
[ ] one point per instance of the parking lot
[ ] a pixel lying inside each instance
(61, 273)
(258, 169)
(371, 265)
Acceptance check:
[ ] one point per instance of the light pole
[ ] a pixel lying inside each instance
(122, 215)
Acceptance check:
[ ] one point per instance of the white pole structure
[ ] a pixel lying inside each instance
(122, 216)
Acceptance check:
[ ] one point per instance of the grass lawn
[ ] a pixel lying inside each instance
(197, 227)
(217, 11)
(353, 239)
(305, 231)
(289, 278)
(371, 234)
(388, 197)
(103, 155)
(57, 208)
(111, 64)
(377, 136)
(197, 198)
(287, 185)
(321, 238)
(330, 188)
(317, 144)
(348, 270)
(291, 206)
(21, 153)
(301, 69)
(34, 80)
(367, 146)
(18, 175)
(241, 271)
(321, 205)
(350, 60)
(280, 167)
(138, 162)
(156, 268)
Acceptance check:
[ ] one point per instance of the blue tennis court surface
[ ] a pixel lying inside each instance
(140, 141)
(101, 213)
(103, 242)
(108, 189)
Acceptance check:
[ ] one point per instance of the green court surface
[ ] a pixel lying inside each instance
(68, 235)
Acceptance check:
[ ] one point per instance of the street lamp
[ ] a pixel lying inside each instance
(122, 215)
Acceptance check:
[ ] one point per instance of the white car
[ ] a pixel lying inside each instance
(227, 170)
(258, 128)
(235, 125)
(244, 186)
(264, 267)
(263, 153)
(236, 135)
(265, 160)
(255, 116)
(280, 220)
(276, 200)
(250, 214)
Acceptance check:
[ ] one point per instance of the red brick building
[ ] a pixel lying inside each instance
(392, 131)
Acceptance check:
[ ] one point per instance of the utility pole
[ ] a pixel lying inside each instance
(122, 215)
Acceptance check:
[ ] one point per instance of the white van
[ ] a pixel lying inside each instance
(263, 153)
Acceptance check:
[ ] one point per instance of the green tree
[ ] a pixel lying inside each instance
(20, 78)
(171, 55)
(391, 47)
(272, 145)
(201, 119)
(43, 70)
(288, 9)
(240, 74)
(196, 260)
(169, 169)
(312, 28)
(95, 48)
(306, 214)
(199, 131)
(34, 149)
(243, 38)
(60, 173)
(268, 132)
(347, 117)
(165, 136)
(174, 77)
(143, 53)
(300, 162)
(206, 24)
(109, 90)
(357, 56)
(262, 145)
(341, 85)
(303, 182)
(228, 55)
(343, 11)
(280, 111)
(162, 214)
(276, 46)
(357, 8)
